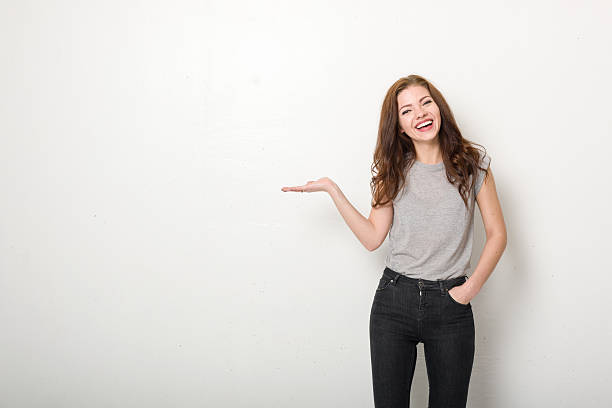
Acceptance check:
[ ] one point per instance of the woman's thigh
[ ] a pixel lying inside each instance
(393, 340)
(449, 353)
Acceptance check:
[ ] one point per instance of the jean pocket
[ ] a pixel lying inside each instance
(383, 284)
(448, 295)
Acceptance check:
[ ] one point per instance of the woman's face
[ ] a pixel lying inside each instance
(416, 106)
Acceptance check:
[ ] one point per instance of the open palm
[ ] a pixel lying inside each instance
(322, 184)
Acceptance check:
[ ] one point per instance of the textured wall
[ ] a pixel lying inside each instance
(149, 258)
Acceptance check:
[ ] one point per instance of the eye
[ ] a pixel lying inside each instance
(425, 103)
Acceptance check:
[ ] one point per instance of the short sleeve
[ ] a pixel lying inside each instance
(484, 162)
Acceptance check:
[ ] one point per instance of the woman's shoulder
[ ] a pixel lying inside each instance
(484, 158)
(484, 162)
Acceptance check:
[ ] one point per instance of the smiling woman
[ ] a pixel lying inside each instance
(427, 180)
(411, 103)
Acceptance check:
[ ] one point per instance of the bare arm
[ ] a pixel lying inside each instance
(495, 229)
(371, 232)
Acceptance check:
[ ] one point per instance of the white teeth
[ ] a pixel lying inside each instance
(424, 124)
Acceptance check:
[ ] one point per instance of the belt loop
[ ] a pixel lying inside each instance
(395, 278)
(441, 286)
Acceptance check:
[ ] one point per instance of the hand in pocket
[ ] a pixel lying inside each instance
(459, 294)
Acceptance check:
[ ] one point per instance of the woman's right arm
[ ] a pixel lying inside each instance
(371, 232)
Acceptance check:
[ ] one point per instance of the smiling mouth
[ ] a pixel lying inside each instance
(425, 128)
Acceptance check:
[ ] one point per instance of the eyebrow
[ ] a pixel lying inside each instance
(426, 96)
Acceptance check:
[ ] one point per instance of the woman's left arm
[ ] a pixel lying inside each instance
(495, 228)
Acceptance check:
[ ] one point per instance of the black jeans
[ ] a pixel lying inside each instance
(406, 311)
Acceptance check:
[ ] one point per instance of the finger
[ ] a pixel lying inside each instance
(299, 188)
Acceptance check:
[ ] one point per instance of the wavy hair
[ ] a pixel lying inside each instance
(395, 153)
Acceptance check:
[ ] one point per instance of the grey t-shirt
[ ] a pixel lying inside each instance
(432, 232)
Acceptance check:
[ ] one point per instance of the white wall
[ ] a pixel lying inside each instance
(149, 258)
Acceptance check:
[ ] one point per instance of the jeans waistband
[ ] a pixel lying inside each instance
(440, 284)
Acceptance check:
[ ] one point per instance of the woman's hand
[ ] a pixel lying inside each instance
(322, 184)
(361, 226)
(461, 294)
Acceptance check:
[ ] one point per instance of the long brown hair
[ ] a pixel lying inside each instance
(395, 152)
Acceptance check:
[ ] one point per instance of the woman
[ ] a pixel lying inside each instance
(428, 178)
